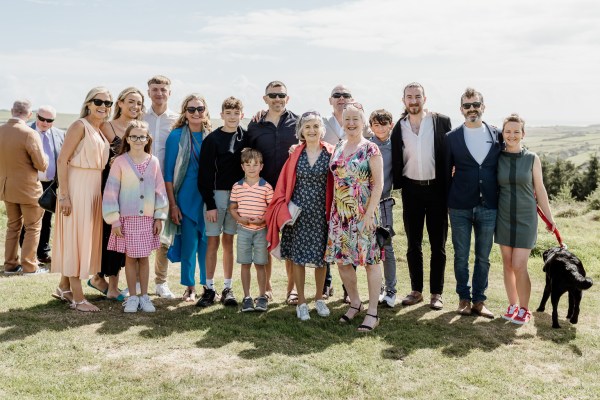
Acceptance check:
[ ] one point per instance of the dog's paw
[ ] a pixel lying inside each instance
(574, 320)
(556, 326)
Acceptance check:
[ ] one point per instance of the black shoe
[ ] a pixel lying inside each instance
(208, 298)
(45, 260)
(228, 298)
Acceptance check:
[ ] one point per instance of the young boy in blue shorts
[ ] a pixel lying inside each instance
(221, 168)
(249, 200)
(381, 124)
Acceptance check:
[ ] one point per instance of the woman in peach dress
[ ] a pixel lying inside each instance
(77, 244)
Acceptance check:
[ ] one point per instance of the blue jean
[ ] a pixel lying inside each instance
(389, 262)
(482, 221)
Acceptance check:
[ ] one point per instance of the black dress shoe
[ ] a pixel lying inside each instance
(45, 260)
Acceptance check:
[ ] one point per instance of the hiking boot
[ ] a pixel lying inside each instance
(146, 304)
(208, 298)
(522, 317)
(511, 312)
(480, 309)
(262, 303)
(162, 290)
(228, 298)
(302, 312)
(436, 302)
(131, 304)
(247, 304)
(412, 298)
(322, 308)
(464, 307)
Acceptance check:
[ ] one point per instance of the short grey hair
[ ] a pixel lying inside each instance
(304, 118)
(21, 108)
(48, 109)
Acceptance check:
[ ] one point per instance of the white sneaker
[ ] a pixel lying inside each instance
(302, 312)
(162, 290)
(321, 308)
(389, 299)
(138, 290)
(146, 304)
(132, 304)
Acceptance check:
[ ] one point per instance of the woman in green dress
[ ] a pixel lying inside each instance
(521, 191)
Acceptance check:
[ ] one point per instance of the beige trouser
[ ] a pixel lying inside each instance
(161, 264)
(18, 215)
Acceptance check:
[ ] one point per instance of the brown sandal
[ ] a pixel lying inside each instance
(292, 298)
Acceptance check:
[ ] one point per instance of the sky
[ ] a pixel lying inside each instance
(538, 58)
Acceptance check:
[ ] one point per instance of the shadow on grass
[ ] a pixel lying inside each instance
(279, 331)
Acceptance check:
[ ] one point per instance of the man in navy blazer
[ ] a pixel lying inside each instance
(472, 152)
(52, 140)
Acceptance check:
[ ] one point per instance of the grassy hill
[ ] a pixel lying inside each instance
(573, 143)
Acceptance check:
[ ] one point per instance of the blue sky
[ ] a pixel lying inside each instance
(540, 59)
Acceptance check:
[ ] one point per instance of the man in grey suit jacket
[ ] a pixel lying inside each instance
(52, 140)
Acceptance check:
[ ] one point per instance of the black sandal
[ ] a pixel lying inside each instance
(346, 319)
(367, 328)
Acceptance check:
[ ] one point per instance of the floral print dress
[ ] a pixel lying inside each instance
(352, 186)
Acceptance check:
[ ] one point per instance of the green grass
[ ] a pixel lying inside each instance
(182, 352)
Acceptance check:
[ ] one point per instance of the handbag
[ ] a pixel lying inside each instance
(48, 198)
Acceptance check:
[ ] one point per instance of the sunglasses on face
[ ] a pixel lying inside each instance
(475, 104)
(98, 102)
(49, 120)
(356, 105)
(275, 95)
(192, 110)
(135, 138)
(344, 95)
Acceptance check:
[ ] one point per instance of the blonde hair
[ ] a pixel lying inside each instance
(159, 80)
(91, 94)
(514, 117)
(206, 126)
(126, 92)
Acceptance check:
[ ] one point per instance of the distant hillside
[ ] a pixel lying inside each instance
(571, 143)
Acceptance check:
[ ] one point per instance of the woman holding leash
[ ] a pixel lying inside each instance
(521, 191)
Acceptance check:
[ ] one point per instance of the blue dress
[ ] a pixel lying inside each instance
(191, 244)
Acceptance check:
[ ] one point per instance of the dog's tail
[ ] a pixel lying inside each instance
(581, 282)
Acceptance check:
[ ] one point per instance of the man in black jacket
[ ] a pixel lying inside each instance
(418, 151)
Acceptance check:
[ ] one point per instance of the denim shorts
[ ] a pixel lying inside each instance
(225, 222)
(251, 246)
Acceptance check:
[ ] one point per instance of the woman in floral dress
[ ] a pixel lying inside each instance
(357, 168)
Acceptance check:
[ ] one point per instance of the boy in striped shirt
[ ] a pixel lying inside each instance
(249, 200)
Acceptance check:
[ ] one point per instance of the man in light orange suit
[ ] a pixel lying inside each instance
(21, 157)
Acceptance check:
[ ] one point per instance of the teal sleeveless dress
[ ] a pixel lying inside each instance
(516, 222)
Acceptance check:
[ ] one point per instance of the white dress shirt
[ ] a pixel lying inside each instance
(418, 152)
(160, 127)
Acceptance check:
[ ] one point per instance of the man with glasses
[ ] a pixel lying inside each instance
(340, 95)
(52, 140)
(273, 134)
(472, 152)
(418, 154)
(21, 157)
(160, 119)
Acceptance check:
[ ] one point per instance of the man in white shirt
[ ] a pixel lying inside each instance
(52, 140)
(160, 119)
(340, 96)
(418, 154)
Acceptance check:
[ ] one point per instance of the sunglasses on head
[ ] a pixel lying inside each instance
(275, 95)
(475, 104)
(308, 113)
(135, 138)
(192, 110)
(98, 102)
(49, 120)
(344, 95)
(355, 105)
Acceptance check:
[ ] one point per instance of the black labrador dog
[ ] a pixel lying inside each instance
(564, 273)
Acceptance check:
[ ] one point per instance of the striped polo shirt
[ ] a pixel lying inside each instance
(252, 200)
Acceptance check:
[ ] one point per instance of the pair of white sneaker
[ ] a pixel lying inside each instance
(135, 303)
(162, 290)
(303, 312)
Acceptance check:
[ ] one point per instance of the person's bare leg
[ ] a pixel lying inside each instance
(348, 276)
(113, 287)
(261, 278)
(64, 284)
(320, 274)
(99, 282)
(519, 261)
(299, 275)
(245, 276)
(211, 256)
(374, 285)
(78, 296)
(131, 273)
(227, 241)
(289, 270)
(144, 274)
(510, 284)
